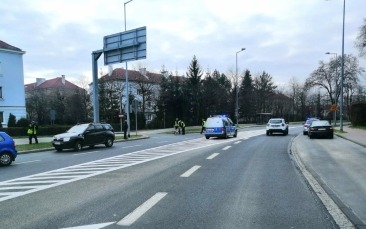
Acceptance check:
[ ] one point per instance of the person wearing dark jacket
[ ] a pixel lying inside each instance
(125, 128)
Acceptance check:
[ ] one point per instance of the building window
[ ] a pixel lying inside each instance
(1, 70)
(1, 117)
(1, 92)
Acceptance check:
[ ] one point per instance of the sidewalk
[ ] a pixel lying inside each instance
(341, 171)
(355, 135)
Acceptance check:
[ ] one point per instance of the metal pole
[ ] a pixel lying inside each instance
(126, 73)
(136, 115)
(342, 73)
(237, 87)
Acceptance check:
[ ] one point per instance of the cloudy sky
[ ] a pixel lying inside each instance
(285, 38)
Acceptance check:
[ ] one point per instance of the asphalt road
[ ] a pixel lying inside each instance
(163, 182)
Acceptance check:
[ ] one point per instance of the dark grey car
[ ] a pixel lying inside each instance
(89, 134)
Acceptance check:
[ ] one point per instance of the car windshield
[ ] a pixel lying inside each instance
(78, 128)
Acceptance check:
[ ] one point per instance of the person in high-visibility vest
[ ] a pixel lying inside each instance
(176, 126)
(183, 126)
(32, 132)
(203, 125)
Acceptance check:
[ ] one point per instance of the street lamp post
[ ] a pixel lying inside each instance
(126, 73)
(336, 100)
(237, 87)
(342, 73)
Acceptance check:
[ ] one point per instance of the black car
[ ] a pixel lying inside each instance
(89, 134)
(321, 128)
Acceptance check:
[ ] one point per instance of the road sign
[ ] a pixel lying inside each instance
(125, 46)
(334, 107)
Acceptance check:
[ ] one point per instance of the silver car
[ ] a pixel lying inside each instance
(307, 125)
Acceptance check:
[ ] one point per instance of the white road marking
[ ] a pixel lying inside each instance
(142, 209)
(226, 148)
(190, 171)
(91, 226)
(26, 162)
(95, 151)
(212, 156)
(237, 142)
(125, 147)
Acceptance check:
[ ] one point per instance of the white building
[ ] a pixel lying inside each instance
(12, 93)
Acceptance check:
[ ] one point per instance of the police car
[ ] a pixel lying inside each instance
(220, 126)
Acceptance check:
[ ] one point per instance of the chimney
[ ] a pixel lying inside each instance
(39, 81)
(110, 70)
(63, 79)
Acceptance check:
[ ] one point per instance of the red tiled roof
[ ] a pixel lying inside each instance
(55, 83)
(4, 45)
(120, 73)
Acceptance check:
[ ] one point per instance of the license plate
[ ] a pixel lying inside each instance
(56, 143)
(321, 129)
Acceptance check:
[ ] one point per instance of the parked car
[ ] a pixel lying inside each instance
(8, 151)
(321, 128)
(307, 125)
(220, 126)
(89, 134)
(277, 125)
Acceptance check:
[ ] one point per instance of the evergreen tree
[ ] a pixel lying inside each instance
(192, 89)
(247, 98)
(11, 120)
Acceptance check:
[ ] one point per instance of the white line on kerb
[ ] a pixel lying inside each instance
(95, 151)
(212, 156)
(226, 148)
(190, 171)
(142, 209)
(27, 162)
(237, 142)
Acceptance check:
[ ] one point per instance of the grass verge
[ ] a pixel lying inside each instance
(47, 145)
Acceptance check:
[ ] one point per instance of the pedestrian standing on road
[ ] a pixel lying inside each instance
(203, 125)
(32, 132)
(176, 126)
(125, 128)
(182, 125)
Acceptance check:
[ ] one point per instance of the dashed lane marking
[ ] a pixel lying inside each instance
(190, 171)
(212, 156)
(142, 209)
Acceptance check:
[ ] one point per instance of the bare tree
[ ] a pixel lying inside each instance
(361, 39)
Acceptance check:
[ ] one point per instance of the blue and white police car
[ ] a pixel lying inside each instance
(220, 126)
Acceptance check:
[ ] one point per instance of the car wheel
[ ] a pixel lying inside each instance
(286, 132)
(78, 146)
(109, 142)
(331, 136)
(236, 133)
(5, 159)
(304, 133)
(58, 149)
(267, 133)
(310, 136)
(207, 137)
